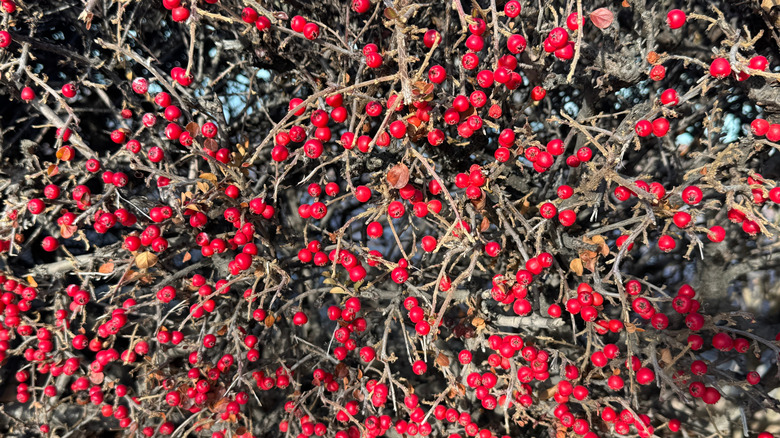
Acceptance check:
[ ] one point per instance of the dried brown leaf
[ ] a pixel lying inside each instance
(106, 268)
(576, 266)
(209, 177)
(193, 128)
(443, 360)
(398, 176)
(485, 224)
(145, 260)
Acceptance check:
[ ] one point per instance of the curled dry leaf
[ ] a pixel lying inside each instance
(209, 177)
(106, 268)
(576, 266)
(443, 360)
(602, 18)
(398, 176)
(145, 260)
(589, 259)
(485, 224)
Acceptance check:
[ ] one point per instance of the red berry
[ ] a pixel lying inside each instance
(720, 68)
(675, 18)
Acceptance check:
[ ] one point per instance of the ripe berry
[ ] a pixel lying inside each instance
(374, 60)
(567, 217)
(431, 37)
(492, 249)
(666, 243)
(515, 44)
(5, 39)
(180, 14)
(657, 73)
(69, 90)
(692, 195)
(660, 127)
(675, 18)
(361, 6)
(644, 376)
(759, 127)
(720, 68)
(512, 8)
(27, 94)
(300, 318)
(538, 93)
(50, 244)
(437, 74)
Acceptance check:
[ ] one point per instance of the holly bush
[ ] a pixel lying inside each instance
(257, 218)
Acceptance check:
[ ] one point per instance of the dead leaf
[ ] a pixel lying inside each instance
(576, 266)
(209, 177)
(398, 176)
(340, 371)
(187, 257)
(145, 260)
(485, 224)
(31, 281)
(602, 18)
(269, 321)
(549, 392)
(222, 330)
(767, 5)
(193, 128)
(203, 187)
(601, 242)
(632, 328)
(96, 378)
(588, 259)
(443, 360)
(458, 391)
(666, 356)
(390, 14)
(65, 153)
(106, 268)
(66, 231)
(211, 144)
(52, 170)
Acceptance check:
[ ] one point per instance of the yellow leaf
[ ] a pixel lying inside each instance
(209, 176)
(31, 281)
(576, 266)
(145, 260)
